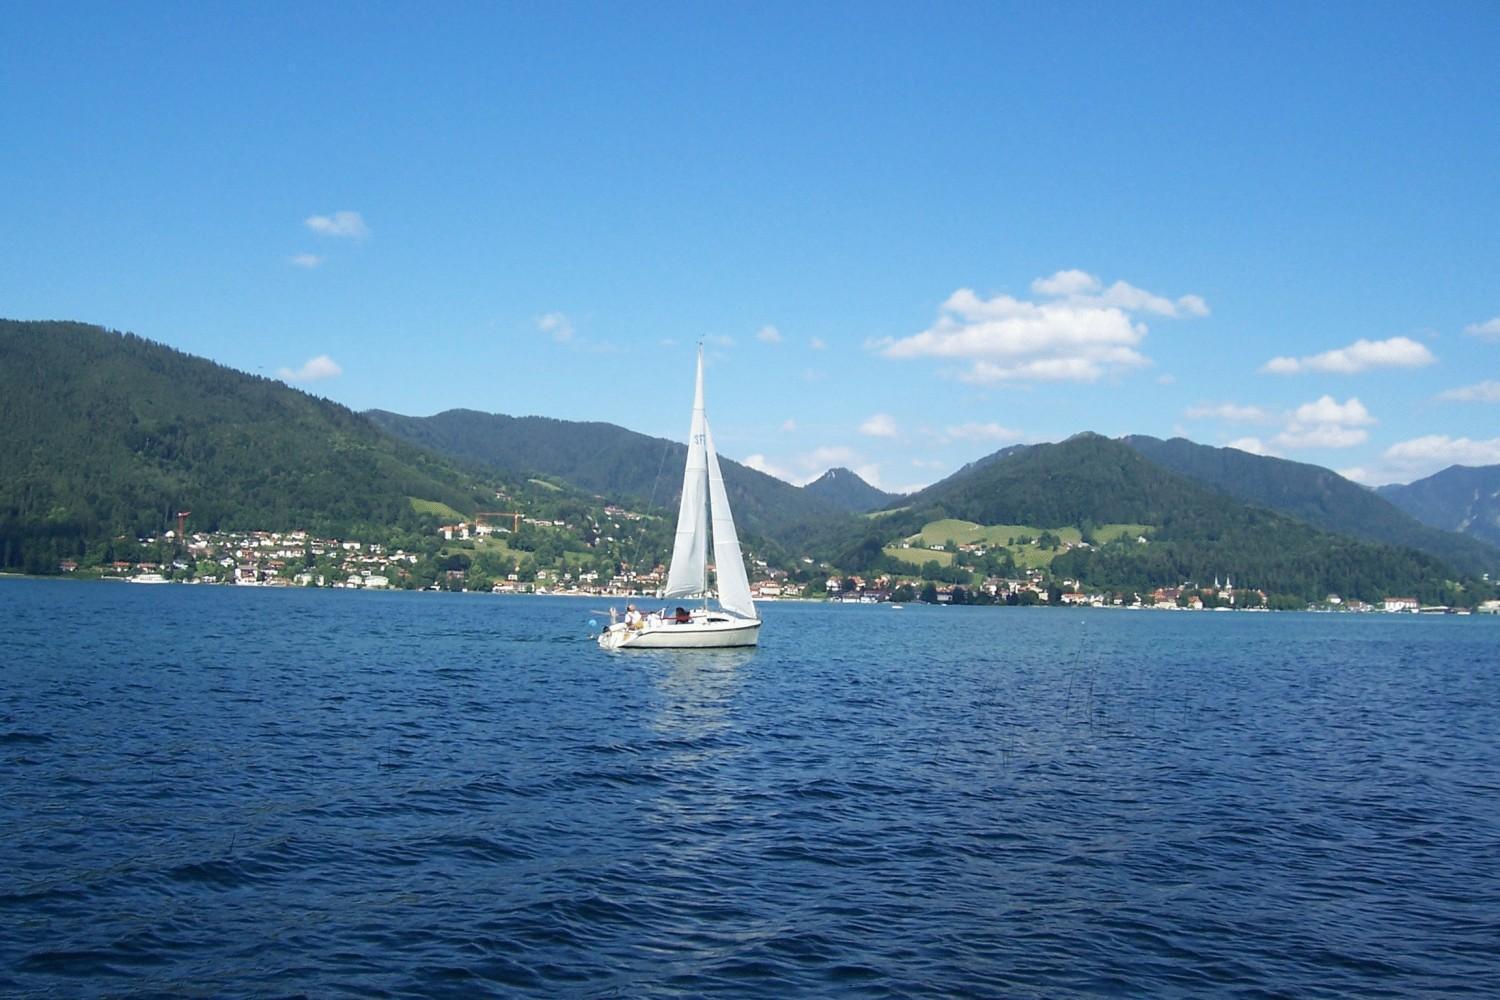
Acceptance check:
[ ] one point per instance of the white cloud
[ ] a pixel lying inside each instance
(879, 425)
(348, 225)
(1084, 333)
(1192, 305)
(1489, 329)
(1071, 282)
(1231, 412)
(1166, 378)
(558, 325)
(718, 340)
(760, 463)
(312, 370)
(929, 463)
(768, 334)
(1322, 436)
(1423, 456)
(1327, 410)
(828, 455)
(788, 425)
(1326, 423)
(1082, 288)
(1080, 369)
(1397, 352)
(307, 260)
(1487, 391)
(1253, 445)
(975, 431)
(818, 344)
(812, 375)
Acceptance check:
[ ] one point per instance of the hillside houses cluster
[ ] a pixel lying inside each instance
(1035, 588)
(298, 558)
(268, 558)
(464, 530)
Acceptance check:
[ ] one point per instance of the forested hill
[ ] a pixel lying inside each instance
(610, 461)
(105, 434)
(1196, 533)
(1318, 496)
(1460, 498)
(1085, 478)
(846, 490)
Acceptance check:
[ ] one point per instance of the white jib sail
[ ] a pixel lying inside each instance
(734, 588)
(688, 573)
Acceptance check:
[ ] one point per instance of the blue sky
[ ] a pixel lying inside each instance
(909, 234)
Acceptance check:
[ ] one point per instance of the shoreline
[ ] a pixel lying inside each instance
(1445, 613)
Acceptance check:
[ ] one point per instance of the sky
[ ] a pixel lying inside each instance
(906, 234)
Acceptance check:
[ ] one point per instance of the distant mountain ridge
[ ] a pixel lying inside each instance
(1197, 532)
(608, 460)
(846, 490)
(1460, 498)
(104, 436)
(1317, 496)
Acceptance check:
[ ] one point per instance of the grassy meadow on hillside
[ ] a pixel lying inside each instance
(1020, 539)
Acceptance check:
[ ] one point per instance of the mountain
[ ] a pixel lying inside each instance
(106, 435)
(847, 491)
(610, 461)
(1322, 498)
(1085, 478)
(1460, 498)
(1196, 533)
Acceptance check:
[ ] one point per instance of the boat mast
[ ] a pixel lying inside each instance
(700, 442)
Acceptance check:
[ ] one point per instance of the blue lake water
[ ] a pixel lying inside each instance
(246, 792)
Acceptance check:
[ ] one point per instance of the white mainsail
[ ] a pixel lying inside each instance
(702, 491)
(688, 571)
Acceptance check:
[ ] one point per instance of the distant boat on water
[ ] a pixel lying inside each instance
(704, 510)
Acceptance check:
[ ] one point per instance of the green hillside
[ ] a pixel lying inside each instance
(1198, 534)
(1028, 546)
(845, 490)
(104, 434)
(610, 461)
(1322, 498)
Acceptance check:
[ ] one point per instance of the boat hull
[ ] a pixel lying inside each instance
(696, 634)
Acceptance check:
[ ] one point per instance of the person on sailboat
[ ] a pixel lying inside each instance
(681, 616)
(632, 617)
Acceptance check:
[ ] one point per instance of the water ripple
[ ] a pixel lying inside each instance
(454, 795)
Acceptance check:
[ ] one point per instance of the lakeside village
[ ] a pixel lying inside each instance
(300, 559)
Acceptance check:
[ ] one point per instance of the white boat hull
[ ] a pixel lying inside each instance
(700, 633)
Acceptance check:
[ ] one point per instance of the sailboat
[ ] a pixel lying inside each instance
(704, 509)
